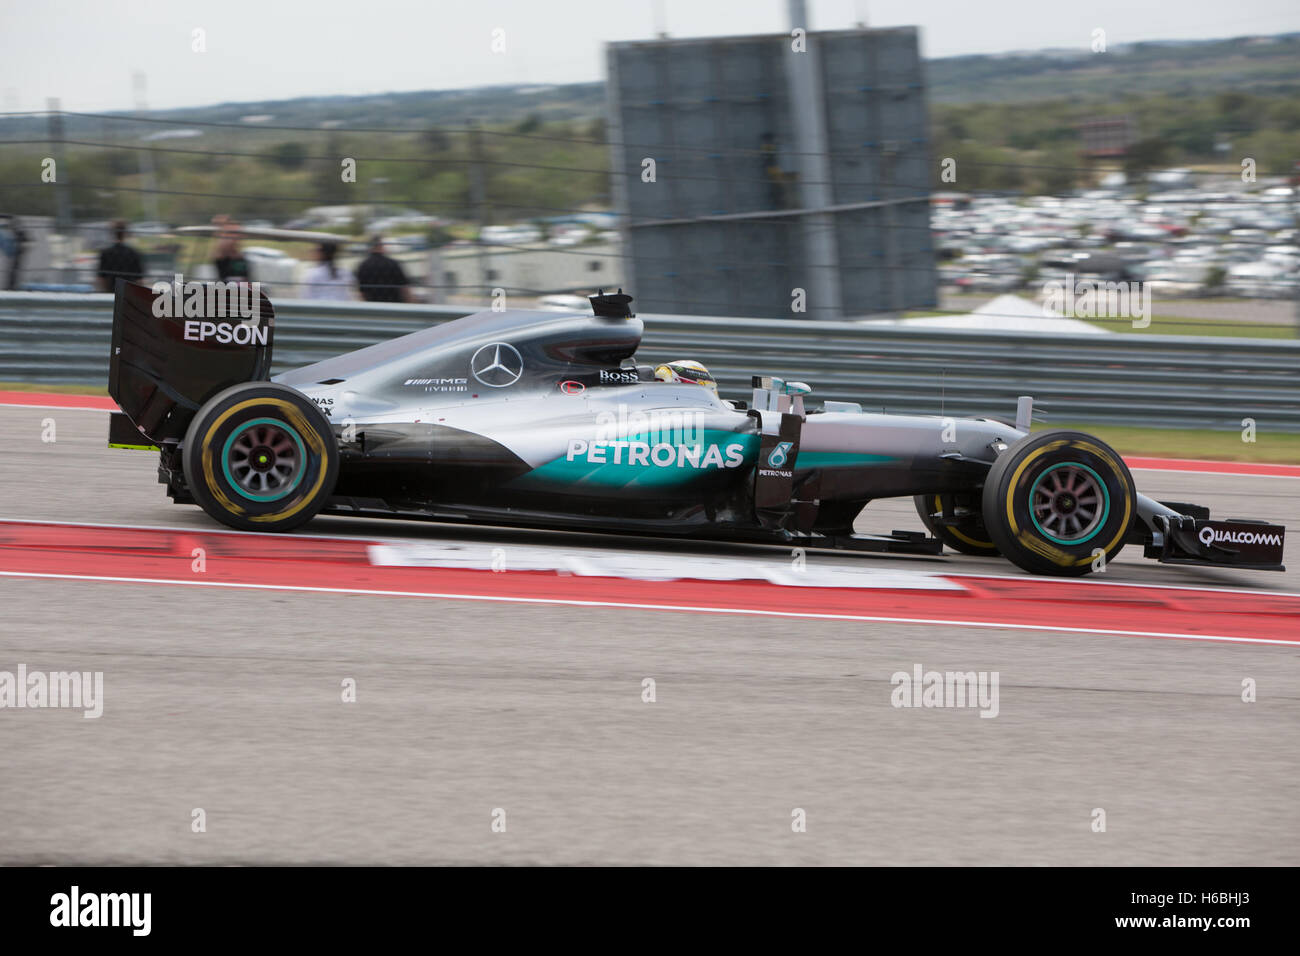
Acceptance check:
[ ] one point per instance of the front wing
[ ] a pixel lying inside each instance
(1237, 543)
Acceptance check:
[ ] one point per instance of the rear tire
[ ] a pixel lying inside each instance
(969, 536)
(260, 456)
(1058, 502)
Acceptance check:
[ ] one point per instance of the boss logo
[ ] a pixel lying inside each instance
(620, 377)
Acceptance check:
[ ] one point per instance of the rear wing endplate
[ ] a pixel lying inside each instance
(173, 350)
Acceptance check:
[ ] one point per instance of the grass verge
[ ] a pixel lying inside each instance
(1187, 325)
(56, 389)
(53, 389)
(1273, 448)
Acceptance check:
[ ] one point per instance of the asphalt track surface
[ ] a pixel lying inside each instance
(228, 699)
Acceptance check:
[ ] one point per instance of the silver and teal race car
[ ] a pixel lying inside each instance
(546, 419)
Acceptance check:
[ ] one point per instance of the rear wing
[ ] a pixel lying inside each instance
(173, 350)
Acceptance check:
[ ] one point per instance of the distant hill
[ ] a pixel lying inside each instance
(1255, 65)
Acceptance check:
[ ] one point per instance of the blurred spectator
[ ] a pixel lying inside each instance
(380, 277)
(777, 178)
(230, 262)
(327, 280)
(119, 261)
(12, 242)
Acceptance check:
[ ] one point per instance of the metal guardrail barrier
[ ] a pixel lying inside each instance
(1150, 380)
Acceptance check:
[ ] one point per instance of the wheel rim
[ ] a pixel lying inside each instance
(1069, 503)
(264, 459)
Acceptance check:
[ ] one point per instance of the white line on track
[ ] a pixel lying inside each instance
(574, 602)
(57, 408)
(1217, 474)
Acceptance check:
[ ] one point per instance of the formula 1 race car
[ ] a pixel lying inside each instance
(545, 419)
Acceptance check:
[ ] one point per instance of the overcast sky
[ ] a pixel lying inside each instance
(85, 51)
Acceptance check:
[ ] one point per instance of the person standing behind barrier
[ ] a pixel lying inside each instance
(119, 261)
(327, 280)
(12, 246)
(381, 278)
(230, 262)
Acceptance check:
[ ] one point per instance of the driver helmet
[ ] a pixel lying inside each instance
(686, 370)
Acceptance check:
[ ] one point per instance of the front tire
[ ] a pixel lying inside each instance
(1059, 502)
(260, 456)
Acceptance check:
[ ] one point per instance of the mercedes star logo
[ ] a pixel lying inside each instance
(497, 365)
